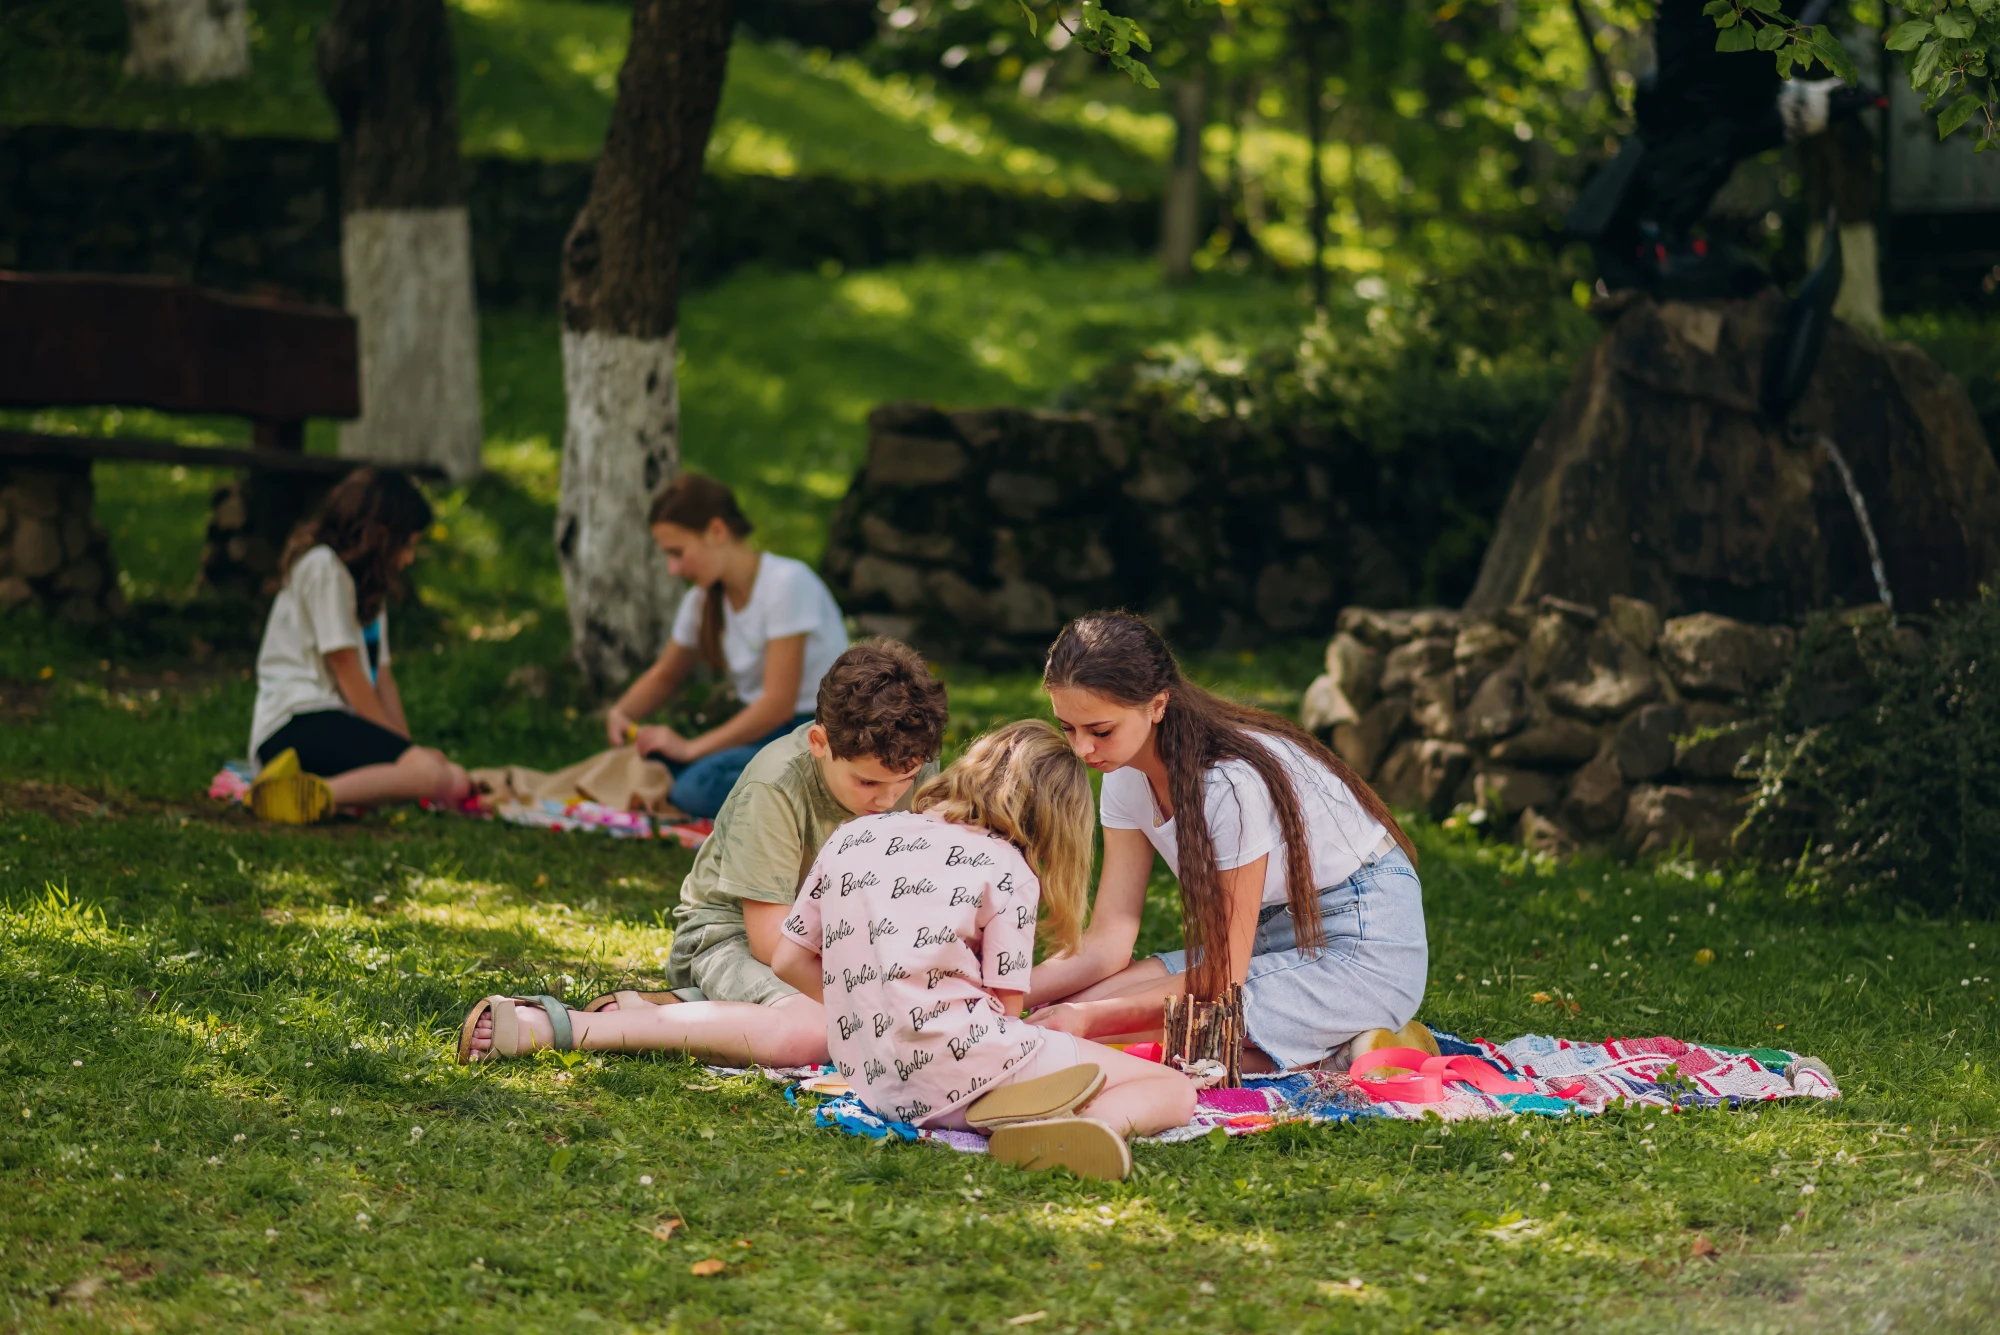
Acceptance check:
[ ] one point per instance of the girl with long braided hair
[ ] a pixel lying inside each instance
(1295, 880)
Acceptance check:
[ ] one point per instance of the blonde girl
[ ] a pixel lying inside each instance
(917, 930)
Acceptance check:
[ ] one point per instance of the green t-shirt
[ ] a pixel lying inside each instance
(768, 833)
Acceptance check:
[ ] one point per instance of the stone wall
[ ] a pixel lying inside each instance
(251, 214)
(977, 534)
(1561, 724)
(52, 549)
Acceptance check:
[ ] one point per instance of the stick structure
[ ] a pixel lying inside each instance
(1197, 1030)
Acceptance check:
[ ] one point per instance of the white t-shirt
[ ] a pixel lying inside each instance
(787, 599)
(1244, 825)
(314, 615)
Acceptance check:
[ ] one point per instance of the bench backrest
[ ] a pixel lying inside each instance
(77, 340)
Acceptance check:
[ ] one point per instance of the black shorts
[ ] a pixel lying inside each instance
(334, 741)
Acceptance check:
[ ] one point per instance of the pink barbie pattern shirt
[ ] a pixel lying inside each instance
(917, 921)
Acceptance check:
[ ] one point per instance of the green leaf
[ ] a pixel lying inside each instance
(1033, 30)
(1136, 69)
(1729, 20)
(561, 1159)
(1908, 36)
(1766, 6)
(1786, 56)
(1926, 63)
(1957, 114)
(1953, 25)
(1770, 37)
(1833, 55)
(1715, 9)
(1735, 39)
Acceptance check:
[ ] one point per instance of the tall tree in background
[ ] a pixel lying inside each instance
(620, 310)
(405, 240)
(188, 41)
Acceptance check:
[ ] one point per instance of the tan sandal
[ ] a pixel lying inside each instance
(1084, 1145)
(1060, 1094)
(511, 1038)
(611, 999)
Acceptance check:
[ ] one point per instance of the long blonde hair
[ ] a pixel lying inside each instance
(1024, 784)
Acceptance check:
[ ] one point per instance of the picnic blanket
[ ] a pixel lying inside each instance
(1569, 1078)
(514, 803)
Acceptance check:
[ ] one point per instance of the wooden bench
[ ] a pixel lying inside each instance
(97, 340)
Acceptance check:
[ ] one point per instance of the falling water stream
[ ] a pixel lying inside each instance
(1861, 514)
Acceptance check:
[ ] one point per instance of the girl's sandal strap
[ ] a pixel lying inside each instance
(565, 1035)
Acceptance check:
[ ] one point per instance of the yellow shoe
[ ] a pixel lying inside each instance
(1416, 1034)
(283, 766)
(282, 793)
(1083, 1145)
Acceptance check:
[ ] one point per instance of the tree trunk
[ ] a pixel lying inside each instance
(405, 241)
(1314, 89)
(620, 310)
(1843, 172)
(188, 41)
(1180, 211)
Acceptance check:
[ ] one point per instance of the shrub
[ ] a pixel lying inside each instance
(1881, 779)
(1419, 406)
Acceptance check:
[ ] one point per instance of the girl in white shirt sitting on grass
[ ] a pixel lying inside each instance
(329, 729)
(766, 621)
(1295, 880)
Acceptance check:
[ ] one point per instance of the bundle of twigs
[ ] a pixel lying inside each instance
(1206, 1031)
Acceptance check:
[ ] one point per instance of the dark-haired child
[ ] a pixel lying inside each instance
(766, 621)
(329, 729)
(879, 727)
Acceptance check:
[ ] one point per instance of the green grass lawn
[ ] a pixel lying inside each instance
(234, 1106)
(537, 79)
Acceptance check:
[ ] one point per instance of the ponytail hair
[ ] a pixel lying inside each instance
(367, 519)
(1121, 658)
(693, 502)
(1024, 783)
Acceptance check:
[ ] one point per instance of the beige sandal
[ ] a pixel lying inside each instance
(511, 1038)
(1084, 1145)
(1060, 1094)
(611, 999)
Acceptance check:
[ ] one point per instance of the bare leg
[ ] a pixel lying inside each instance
(789, 1032)
(420, 774)
(1139, 1098)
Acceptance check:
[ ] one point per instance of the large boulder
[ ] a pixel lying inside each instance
(1656, 477)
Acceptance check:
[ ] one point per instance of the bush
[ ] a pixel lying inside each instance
(1418, 409)
(1881, 780)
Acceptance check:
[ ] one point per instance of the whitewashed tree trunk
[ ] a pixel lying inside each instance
(405, 242)
(1860, 300)
(188, 41)
(409, 285)
(620, 305)
(621, 443)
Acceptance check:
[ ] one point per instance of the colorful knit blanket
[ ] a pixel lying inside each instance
(1569, 1079)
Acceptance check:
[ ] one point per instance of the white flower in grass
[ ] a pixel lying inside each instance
(238, 1138)
(270, 1232)
(214, 1159)
(76, 1063)
(645, 1179)
(1543, 1185)
(1807, 1189)
(416, 1133)
(1506, 1156)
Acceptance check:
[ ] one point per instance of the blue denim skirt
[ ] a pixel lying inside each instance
(1298, 1007)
